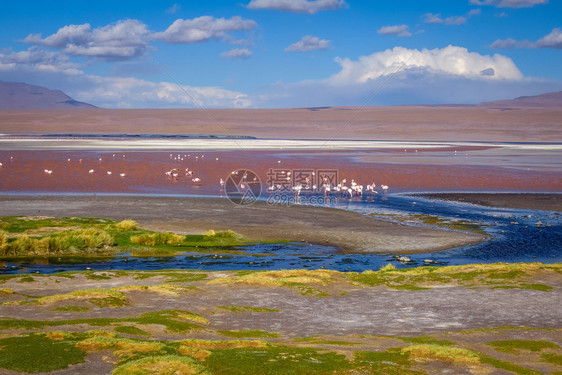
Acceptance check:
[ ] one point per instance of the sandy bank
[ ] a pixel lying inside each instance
(348, 231)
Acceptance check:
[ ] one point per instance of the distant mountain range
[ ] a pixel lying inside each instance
(549, 100)
(16, 95)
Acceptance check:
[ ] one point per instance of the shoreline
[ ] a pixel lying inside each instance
(349, 232)
(528, 200)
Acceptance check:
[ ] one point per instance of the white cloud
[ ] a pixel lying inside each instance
(455, 20)
(133, 92)
(450, 21)
(173, 9)
(300, 6)
(432, 18)
(451, 60)
(202, 29)
(37, 59)
(238, 53)
(308, 43)
(509, 3)
(552, 40)
(406, 76)
(474, 12)
(55, 70)
(399, 30)
(120, 41)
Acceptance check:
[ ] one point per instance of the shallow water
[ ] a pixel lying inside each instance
(508, 242)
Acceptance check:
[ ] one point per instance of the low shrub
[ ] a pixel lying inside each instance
(126, 225)
(227, 235)
(58, 243)
(153, 239)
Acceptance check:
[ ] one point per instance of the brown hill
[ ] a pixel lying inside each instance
(16, 95)
(549, 100)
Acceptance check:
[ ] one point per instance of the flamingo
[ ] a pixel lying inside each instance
(122, 174)
(109, 173)
(221, 182)
(196, 179)
(91, 171)
(48, 171)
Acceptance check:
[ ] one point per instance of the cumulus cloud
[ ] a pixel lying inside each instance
(399, 30)
(119, 41)
(450, 21)
(509, 3)
(451, 60)
(408, 76)
(552, 40)
(300, 6)
(308, 43)
(238, 53)
(37, 59)
(202, 29)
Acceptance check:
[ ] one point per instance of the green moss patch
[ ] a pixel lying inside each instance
(275, 360)
(512, 346)
(37, 353)
(249, 333)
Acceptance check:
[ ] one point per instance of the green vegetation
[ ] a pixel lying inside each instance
(512, 346)
(499, 275)
(248, 333)
(99, 297)
(426, 340)
(41, 236)
(503, 365)
(72, 308)
(126, 226)
(553, 358)
(131, 330)
(275, 360)
(161, 365)
(153, 239)
(66, 242)
(172, 320)
(37, 353)
(442, 353)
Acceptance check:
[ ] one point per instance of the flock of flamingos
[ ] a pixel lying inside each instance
(326, 188)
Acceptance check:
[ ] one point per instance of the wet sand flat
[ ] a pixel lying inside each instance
(348, 231)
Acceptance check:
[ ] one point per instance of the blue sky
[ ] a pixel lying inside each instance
(283, 53)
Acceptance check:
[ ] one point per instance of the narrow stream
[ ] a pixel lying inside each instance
(514, 236)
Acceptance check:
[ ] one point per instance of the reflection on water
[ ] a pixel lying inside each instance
(515, 236)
